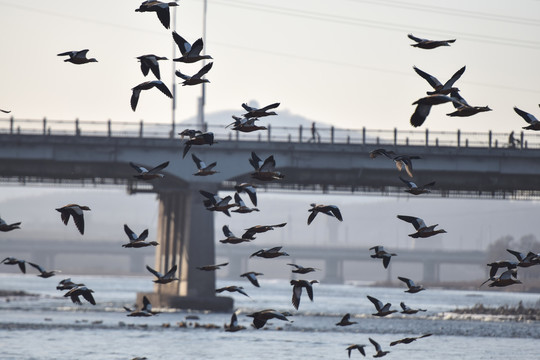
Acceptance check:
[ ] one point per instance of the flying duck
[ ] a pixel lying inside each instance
(212, 267)
(206, 138)
(357, 347)
(75, 211)
(423, 107)
(346, 321)
(266, 171)
(145, 174)
(203, 169)
(232, 288)
(145, 311)
(83, 291)
(190, 52)
(242, 208)
(43, 273)
(507, 278)
(215, 203)
(408, 340)
(422, 231)
(195, 79)
(496, 265)
(382, 310)
(150, 62)
(14, 261)
(302, 270)
(297, 290)
(429, 44)
(534, 124)
(463, 109)
(246, 125)
(415, 189)
(380, 253)
(270, 253)
(439, 88)
(252, 277)
(249, 189)
(231, 238)
(160, 8)
(259, 112)
(408, 310)
(405, 161)
(330, 210)
(261, 317)
(257, 229)
(77, 57)
(5, 227)
(233, 326)
(147, 85)
(412, 288)
(137, 241)
(164, 279)
(379, 353)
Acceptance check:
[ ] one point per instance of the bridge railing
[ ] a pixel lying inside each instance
(322, 134)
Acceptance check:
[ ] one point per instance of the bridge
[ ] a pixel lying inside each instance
(47, 252)
(461, 164)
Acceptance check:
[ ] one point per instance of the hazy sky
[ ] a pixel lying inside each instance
(343, 62)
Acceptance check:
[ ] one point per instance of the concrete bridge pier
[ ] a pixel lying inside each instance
(186, 238)
(432, 272)
(333, 271)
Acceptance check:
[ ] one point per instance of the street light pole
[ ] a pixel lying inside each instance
(202, 99)
(173, 110)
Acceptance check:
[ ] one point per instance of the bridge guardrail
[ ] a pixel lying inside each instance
(273, 133)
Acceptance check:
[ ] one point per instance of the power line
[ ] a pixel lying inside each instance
(345, 20)
(453, 12)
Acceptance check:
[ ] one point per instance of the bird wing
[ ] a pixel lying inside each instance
(335, 210)
(238, 289)
(182, 76)
(164, 16)
(420, 114)
(296, 266)
(79, 221)
(432, 80)
(227, 232)
(269, 164)
(279, 225)
(376, 344)
(131, 235)
(163, 88)
(417, 39)
(386, 260)
(268, 107)
(417, 222)
(143, 235)
(311, 217)
(378, 304)
(409, 282)
(517, 254)
(238, 200)
(454, 78)
(248, 108)
(234, 321)
(87, 294)
(68, 53)
(197, 47)
(139, 169)
(526, 116)
(428, 184)
(197, 161)
(134, 98)
(158, 168)
(171, 272)
(146, 305)
(409, 184)
(144, 67)
(39, 268)
(309, 290)
(206, 68)
(156, 273)
(183, 45)
(460, 101)
(297, 293)
(253, 279)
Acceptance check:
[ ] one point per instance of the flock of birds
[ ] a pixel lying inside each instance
(264, 170)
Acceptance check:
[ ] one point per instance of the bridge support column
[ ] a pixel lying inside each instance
(432, 272)
(186, 238)
(334, 271)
